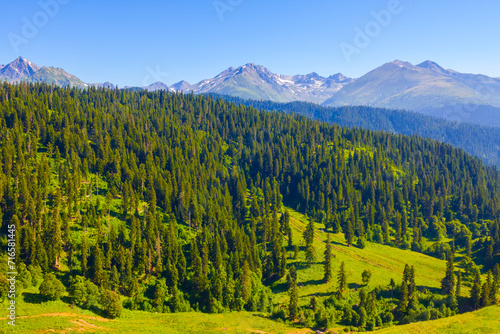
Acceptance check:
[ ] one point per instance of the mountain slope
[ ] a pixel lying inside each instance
(477, 140)
(427, 88)
(180, 201)
(252, 81)
(485, 320)
(56, 76)
(17, 70)
(24, 70)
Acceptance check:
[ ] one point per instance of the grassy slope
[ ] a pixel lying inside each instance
(486, 320)
(383, 261)
(58, 317)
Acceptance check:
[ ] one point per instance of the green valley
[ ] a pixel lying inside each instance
(164, 212)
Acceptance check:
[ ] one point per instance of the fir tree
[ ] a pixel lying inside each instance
(328, 260)
(403, 299)
(293, 305)
(342, 280)
(475, 292)
(448, 282)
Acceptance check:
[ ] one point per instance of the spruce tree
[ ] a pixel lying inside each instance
(328, 260)
(294, 299)
(448, 282)
(349, 233)
(309, 239)
(403, 299)
(475, 292)
(342, 280)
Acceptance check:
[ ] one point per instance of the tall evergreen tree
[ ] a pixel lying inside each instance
(294, 299)
(342, 280)
(448, 282)
(328, 260)
(475, 291)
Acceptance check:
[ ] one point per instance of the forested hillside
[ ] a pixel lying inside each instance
(178, 202)
(478, 140)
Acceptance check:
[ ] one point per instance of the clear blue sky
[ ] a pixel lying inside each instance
(125, 41)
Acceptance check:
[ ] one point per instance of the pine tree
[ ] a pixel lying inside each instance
(349, 233)
(459, 283)
(328, 260)
(448, 282)
(309, 239)
(246, 283)
(403, 299)
(294, 298)
(199, 279)
(475, 292)
(309, 233)
(84, 256)
(493, 288)
(485, 295)
(97, 265)
(342, 280)
(392, 285)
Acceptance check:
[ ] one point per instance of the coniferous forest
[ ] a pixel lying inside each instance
(166, 202)
(477, 140)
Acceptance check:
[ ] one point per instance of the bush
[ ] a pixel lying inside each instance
(365, 276)
(111, 305)
(51, 288)
(361, 243)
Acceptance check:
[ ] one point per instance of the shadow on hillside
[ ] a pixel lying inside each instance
(333, 242)
(354, 286)
(320, 294)
(33, 298)
(303, 265)
(312, 282)
(281, 287)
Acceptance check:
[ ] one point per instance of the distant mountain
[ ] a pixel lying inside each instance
(157, 86)
(18, 70)
(426, 88)
(57, 76)
(182, 86)
(24, 70)
(252, 81)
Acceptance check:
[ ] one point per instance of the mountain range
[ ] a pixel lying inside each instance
(24, 70)
(426, 88)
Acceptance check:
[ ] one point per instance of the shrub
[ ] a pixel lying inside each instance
(111, 305)
(51, 288)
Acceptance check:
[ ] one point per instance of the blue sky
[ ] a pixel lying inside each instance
(136, 42)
